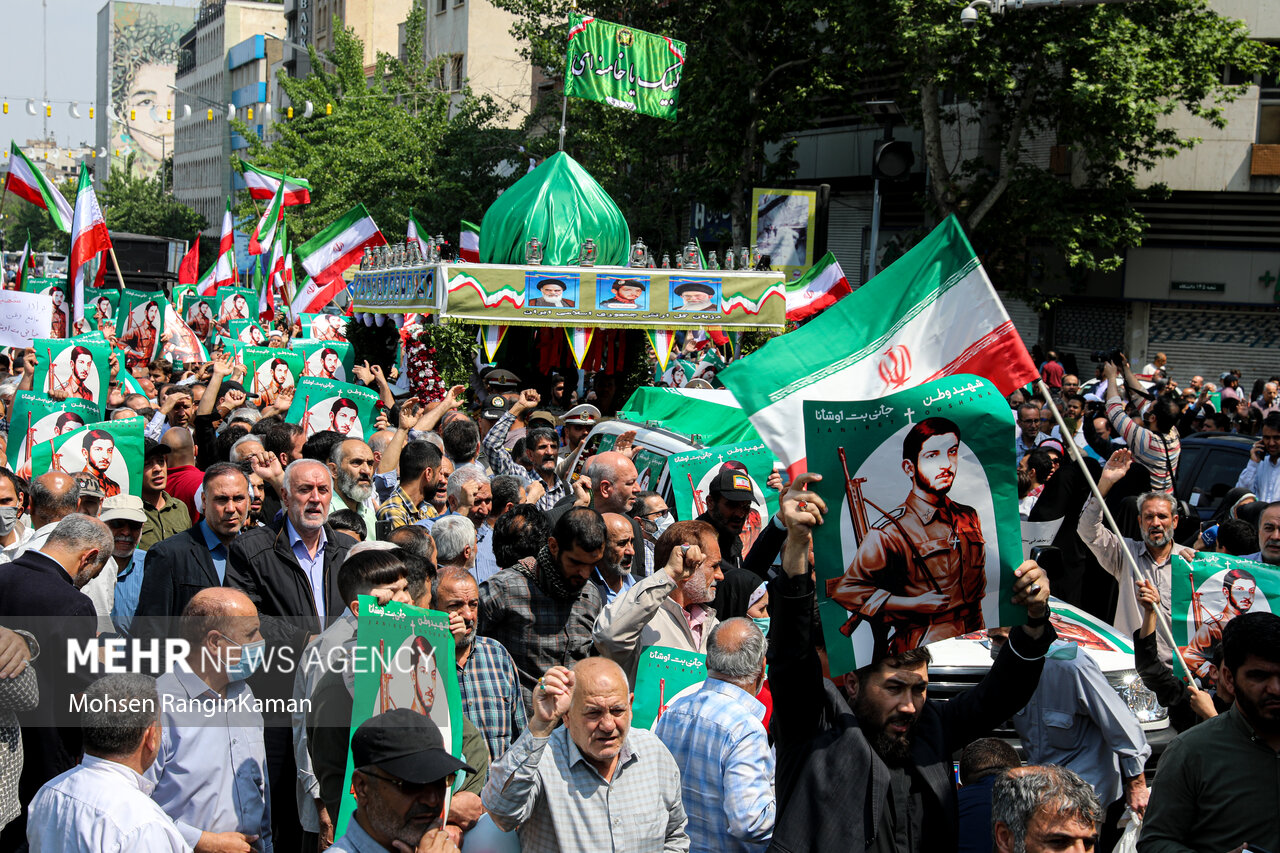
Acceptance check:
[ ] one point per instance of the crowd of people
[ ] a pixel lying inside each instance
(253, 542)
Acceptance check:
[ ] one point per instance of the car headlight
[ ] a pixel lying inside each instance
(1141, 701)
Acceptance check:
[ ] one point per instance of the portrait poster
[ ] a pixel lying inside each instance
(692, 474)
(183, 295)
(324, 327)
(783, 222)
(403, 658)
(39, 418)
(663, 674)
(100, 307)
(1209, 593)
(78, 367)
(55, 290)
(247, 332)
(236, 303)
(183, 346)
(140, 326)
(269, 372)
(109, 450)
(199, 312)
(326, 359)
(922, 533)
(323, 404)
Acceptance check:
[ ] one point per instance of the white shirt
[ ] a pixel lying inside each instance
(1261, 478)
(34, 542)
(100, 807)
(1077, 437)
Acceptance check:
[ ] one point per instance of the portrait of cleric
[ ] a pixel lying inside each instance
(918, 574)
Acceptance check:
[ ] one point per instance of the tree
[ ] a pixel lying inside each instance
(138, 205)
(22, 218)
(1100, 81)
(395, 141)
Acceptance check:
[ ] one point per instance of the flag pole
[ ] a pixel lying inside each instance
(116, 264)
(1163, 623)
(564, 112)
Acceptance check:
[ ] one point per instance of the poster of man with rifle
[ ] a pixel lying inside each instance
(693, 473)
(928, 535)
(324, 404)
(1209, 593)
(73, 367)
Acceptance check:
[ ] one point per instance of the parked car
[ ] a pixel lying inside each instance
(1208, 468)
(655, 444)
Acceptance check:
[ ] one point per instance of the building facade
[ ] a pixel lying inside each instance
(474, 38)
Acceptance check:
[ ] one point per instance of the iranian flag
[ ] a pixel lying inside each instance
(823, 285)
(326, 255)
(26, 265)
(264, 233)
(263, 185)
(88, 237)
(29, 183)
(189, 269)
(223, 271)
(418, 234)
(469, 242)
(275, 276)
(932, 313)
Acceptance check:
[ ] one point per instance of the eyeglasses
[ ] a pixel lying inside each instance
(409, 789)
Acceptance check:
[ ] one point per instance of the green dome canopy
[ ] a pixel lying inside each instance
(561, 205)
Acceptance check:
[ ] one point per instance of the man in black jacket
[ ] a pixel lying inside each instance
(289, 570)
(877, 776)
(180, 566)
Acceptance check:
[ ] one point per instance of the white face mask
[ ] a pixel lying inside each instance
(663, 522)
(8, 518)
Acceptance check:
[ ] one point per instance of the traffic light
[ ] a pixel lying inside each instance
(892, 160)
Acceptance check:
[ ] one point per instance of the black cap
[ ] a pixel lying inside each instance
(151, 447)
(699, 286)
(406, 744)
(732, 483)
(494, 407)
(557, 282)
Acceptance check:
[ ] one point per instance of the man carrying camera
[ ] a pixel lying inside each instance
(1155, 446)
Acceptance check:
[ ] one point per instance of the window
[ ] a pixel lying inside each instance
(455, 64)
(442, 6)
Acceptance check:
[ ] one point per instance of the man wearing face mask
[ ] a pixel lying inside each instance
(211, 770)
(12, 531)
(654, 517)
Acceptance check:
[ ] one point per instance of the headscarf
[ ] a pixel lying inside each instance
(736, 593)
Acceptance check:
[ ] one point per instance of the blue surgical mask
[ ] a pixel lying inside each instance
(762, 622)
(663, 522)
(251, 655)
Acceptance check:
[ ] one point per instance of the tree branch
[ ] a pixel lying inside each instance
(931, 120)
(784, 65)
(1012, 144)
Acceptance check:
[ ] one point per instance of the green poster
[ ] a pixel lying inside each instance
(692, 473)
(922, 534)
(140, 326)
(649, 465)
(661, 675)
(236, 303)
(55, 289)
(183, 346)
(198, 312)
(323, 404)
(77, 367)
(324, 327)
(326, 359)
(403, 658)
(622, 67)
(183, 295)
(270, 370)
(109, 450)
(100, 306)
(247, 332)
(1209, 593)
(37, 418)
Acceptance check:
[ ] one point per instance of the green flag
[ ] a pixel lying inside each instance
(622, 67)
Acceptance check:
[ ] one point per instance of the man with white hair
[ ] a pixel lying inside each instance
(455, 538)
(289, 570)
(352, 464)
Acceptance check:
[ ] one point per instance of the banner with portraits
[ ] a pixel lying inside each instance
(618, 297)
(100, 307)
(324, 404)
(692, 474)
(56, 291)
(39, 418)
(111, 451)
(922, 534)
(235, 303)
(140, 326)
(247, 332)
(269, 372)
(183, 295)
(199, 312)
(324, 327)
(1209, 593)
(326, 359)
(77, 367)
(403, 658)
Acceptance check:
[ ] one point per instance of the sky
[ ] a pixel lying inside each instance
(73, 56)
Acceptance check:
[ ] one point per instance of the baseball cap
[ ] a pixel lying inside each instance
(732, 483)
(406, 744)
(89, 485)
(584, 415)
(123, 508)
(151, 447)
(494, 407)
(541, 417)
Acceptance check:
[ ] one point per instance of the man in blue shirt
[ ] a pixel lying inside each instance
(613, 574)
(211, 772)
(718, 740)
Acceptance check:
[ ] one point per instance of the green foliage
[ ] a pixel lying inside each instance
(137, 205)
(455, 352)
(394, 142)
(22, 217)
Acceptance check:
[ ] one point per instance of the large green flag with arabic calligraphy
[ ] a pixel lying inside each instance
(622, 67)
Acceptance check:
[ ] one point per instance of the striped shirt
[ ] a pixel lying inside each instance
(1147, 447)
(490, 688)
